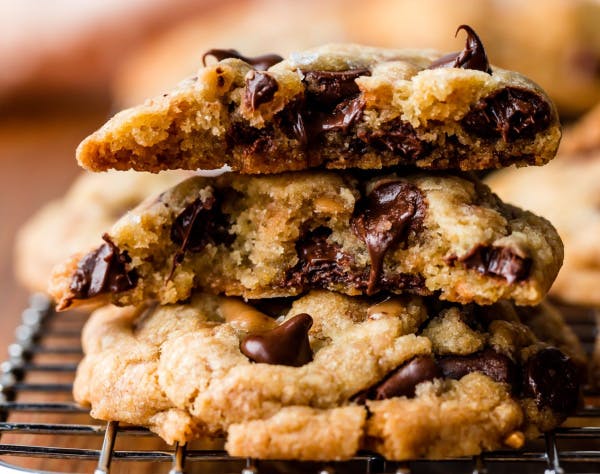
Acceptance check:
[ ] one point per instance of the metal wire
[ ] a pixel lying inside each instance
(39, 325)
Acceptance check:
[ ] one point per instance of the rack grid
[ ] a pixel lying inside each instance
(35, 401)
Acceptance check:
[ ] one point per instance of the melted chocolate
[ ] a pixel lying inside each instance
(199, 224)
(498, 261)
(383, 219)
(343, 116)
(292, 121)
(510, 113)
(471, 57)
(287, 344)
(397, 136)
(551, 378)
(260, 63)
(496, 366)
(260, 88)
(329, 88)
(103, 270)
(404, 380)
(320, 262)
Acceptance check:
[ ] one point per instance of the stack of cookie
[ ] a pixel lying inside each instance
(348, 285)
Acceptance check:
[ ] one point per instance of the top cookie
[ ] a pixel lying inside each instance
(337, 106)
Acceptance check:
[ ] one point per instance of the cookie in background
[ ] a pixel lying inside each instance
(75, 222)
(554, 42)
(567, 192)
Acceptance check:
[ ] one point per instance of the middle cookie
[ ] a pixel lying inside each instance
(281, 235)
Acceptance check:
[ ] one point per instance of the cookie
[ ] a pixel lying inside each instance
(280, 235)
(159, 64)
(566, 192)
(75, 221)
(582, 136)
(460, 379)
(556, 43)
(336, 106)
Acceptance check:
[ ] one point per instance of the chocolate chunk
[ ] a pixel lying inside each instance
(328, 88)
(344, 115)
(471, 57)
(403, 381)
(252, 140)
(260, 63)
(199, 224)
(320, 262)
(383, 219)
(396, 136)
(551, 378)
(287, 344)
(103, 270)
(498, 261)
(260, 88)
(292, 120)
(496, 366)
(511, 113)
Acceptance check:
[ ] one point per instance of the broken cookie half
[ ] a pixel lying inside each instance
(281, 235)
(336, 106)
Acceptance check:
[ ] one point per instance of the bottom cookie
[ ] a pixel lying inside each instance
(324, 375)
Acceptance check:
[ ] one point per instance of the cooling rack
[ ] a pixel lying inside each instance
(43, 430)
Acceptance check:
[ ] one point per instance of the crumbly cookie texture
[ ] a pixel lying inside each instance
(271, 376)
(76, 221)
(566, 192)
(280, 235)
(338, 106)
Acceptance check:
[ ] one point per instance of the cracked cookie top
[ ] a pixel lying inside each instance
(269, 373)
(337, 106)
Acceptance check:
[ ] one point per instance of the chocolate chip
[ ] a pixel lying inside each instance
(344, 115)
(551, 378)
(471, 57)
(260, 88)
(398, 137)
(199, 224)
(287, 344)
(403, 381)
(511, 113)
(498, 261)
(103, 270)
(320, 262)
(383, 218)
(292, 120)
(252, 140)
(328, 88)
(496, 366)
(260, 63)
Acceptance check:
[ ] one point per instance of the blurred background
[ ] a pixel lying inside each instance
(67, 65)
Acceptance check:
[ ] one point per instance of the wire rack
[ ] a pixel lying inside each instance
(43, 430)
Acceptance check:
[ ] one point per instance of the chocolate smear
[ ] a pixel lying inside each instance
(403, 381)
(383, 219)
(320, 262)
(397, 136)
(260, 88)
(510, 113)
(551, 378)
(199, 224)
(287, 344)
(503, 262)
(103, 270)
(473, 56)
(344, 115)
(491, 363)
(260, 63)
(328, 88)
